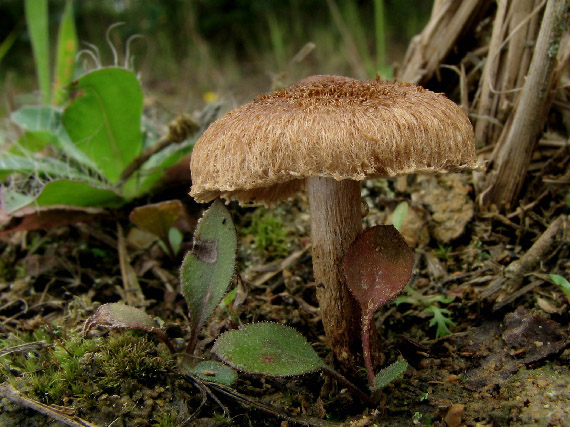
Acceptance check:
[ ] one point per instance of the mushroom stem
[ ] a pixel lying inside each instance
(335, 222)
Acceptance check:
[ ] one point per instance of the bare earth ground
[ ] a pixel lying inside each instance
(498, 367)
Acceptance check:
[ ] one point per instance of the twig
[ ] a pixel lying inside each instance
(59, 414)
(245, 400)
(133, 292)
(179, 129)
(517, 294)
(355, 390)
(286, 263)
(515, 271)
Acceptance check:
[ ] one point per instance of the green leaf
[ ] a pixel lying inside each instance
(37, 20)
(562, 282)
(62, 193)
(38, 118)
(399, 215)
(207, 271)
(66, 50)
(440, 320)
(104, 120)
(9, 40)
(43, 166)
(389, 374)
(42, 121)
(217, 372)
(267, 348)
(31, 142)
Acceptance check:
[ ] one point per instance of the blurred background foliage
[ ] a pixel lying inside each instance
(194, 51)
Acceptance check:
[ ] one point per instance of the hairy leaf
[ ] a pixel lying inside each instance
(267, 348)
(205, 281)
(60, 193)
(121, 316)
(217, 372)
(389, 374)
(117, 315)
(45, 122)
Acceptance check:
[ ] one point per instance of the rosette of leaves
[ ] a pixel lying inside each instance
(85, 146)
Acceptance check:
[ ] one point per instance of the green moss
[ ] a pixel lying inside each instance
(269, 234)
(72, 369)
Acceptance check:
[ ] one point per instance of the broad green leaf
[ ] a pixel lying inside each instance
(211, 370)
(43, 121)
(389, 374)
(267, 348)
(377, 266)
(38, 118)
(37, 20)
(207, 270)
(66, 50)
(31, 142)
(104, 120)
(63, 193)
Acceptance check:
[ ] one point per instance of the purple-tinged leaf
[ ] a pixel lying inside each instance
(378, 266)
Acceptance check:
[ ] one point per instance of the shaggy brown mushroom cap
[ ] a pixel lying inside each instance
(329, 126)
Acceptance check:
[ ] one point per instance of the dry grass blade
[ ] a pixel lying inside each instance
(132, 290)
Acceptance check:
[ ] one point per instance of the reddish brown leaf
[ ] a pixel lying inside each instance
(377, 266)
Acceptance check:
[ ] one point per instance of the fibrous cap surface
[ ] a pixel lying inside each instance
(329, 126)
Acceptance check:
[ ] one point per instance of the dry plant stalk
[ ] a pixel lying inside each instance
(519, 138)
(514, 30)
(449, 22)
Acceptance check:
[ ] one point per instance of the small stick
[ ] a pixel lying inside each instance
(9, 392)
(355, 390)
(516, 270)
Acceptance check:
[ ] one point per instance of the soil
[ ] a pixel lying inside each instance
(504, 363)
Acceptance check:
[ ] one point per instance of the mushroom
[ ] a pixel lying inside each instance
(330, 133)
